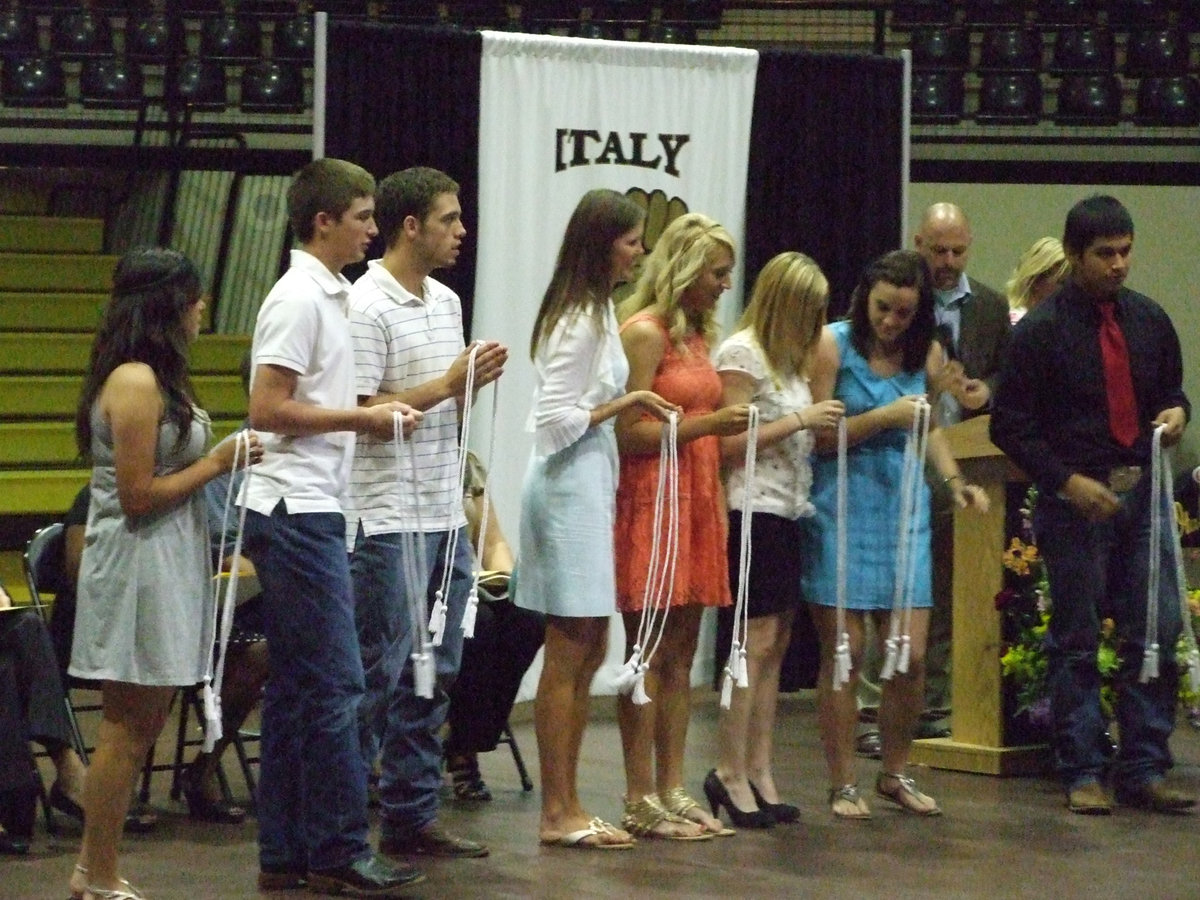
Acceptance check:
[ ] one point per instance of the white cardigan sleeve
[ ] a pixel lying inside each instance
(566, 369)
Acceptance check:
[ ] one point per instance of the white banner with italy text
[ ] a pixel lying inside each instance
(668, 125)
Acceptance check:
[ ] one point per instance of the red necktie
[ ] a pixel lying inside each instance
(1118, 383)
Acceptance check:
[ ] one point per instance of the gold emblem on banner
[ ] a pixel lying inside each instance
(661, 211)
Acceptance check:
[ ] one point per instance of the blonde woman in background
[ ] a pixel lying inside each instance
(1039, 272)
(766, 362)
(668, 333)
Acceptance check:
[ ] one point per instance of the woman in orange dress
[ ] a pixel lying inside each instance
(668, 333)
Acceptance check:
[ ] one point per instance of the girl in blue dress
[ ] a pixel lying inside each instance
(878, 362)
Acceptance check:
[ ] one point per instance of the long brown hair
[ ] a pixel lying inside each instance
(145, 321)
(582, 278)
(904, 269)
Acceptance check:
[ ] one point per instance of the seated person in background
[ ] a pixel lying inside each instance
(141, 818)
(507, 638)
(245, 667)
(62, 584)
(246, 655)
(33, 707)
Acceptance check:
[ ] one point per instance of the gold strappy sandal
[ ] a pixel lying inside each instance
(643, 816)
(677, 801)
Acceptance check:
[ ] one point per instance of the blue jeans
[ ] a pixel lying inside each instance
(392, 718)
(312, 790)
(1099, 570)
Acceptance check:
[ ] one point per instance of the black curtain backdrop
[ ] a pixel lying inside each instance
(825, 155)
(824, 179)
(400, 96)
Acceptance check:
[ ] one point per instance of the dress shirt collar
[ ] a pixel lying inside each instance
(956, 296)
(391, 287)
(1087, 307)
(336, 286)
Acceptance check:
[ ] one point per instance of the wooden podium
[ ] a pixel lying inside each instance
(976, 743)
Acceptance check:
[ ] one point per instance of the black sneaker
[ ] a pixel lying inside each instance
(370, 877)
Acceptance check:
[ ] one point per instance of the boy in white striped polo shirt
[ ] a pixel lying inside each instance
(408, 345)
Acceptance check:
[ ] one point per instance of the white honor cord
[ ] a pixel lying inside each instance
(841, 653)
(735, 668)
(437, 617)
(413, 565)
(485, 505)
(660, 576)
(899, 641)
(222, 606)
(1162, 502)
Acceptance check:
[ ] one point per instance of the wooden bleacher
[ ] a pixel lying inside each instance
(54, 281)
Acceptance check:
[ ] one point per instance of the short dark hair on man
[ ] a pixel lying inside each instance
(325, 186)
(409, 192)
(904, 269)
(1099, 216)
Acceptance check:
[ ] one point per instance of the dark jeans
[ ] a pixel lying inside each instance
(312, 790)
(393, 718)
(507, 638)
(1099, 570)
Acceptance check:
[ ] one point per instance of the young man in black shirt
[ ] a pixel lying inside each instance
(1090, 374)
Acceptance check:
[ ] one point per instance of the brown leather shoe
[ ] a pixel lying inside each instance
(431, 841)
(281, 880)
(1089, 800)
(1155, 796)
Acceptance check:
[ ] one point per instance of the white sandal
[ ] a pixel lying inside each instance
(118, 894)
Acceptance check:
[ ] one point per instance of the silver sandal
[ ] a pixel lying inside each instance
(848, 793)
(126, 892)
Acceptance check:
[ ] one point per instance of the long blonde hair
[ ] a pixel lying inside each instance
(686, 247)
(1044, 258)
(787, 311)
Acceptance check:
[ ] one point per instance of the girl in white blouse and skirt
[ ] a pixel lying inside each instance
(565, 561)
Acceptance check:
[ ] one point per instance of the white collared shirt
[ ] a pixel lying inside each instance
(302, 326)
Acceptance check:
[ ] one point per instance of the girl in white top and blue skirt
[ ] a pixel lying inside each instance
(565, 560)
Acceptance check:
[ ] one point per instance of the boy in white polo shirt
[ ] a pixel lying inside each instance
(312, 799)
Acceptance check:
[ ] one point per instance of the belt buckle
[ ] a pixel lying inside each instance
(1122, 479)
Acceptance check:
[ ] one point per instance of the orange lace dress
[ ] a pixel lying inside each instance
(701, 574)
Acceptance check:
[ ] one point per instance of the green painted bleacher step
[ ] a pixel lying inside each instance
(45, 311)
(51, 234)
(49, 352)
(55, 272)
(47, 491)
(55, 396)
(30, 444)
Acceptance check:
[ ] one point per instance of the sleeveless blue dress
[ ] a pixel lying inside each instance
(874, 469)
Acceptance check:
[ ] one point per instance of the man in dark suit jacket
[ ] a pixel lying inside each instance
(973, 322)
(973, 328)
